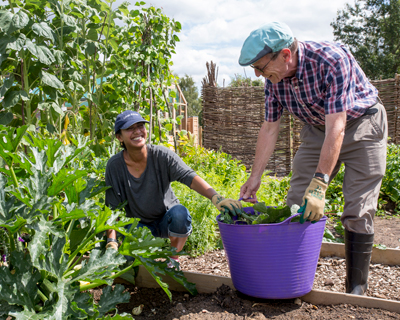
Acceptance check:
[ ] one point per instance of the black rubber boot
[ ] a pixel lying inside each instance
(358, 255)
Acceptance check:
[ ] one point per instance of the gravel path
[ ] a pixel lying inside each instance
(384, 280)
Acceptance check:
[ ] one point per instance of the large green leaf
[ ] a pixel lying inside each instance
(82, 307)
(10, 141)
(92, 188)
(110, 298)
(6, 118)
(51, 104)
(39, 247)
(99, 266)
(5, 20)
(26, 315)
(107, 219)
(7, 84)
(51, 80)
(69, 20)
(42, 53)
(158, 267)
(59, 306)
(61, 56)
(63, 178)
(11, 98)
(19, 20)
(13, 43)
(77, 236)
(140, 242)
(5, 308)
(19, 288)
(42, 29)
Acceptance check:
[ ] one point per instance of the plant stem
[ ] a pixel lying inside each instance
(12, 242)
(96, 284)
(83, 244)
(14, 177)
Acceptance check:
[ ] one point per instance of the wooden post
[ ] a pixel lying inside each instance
(151, 105)
(173, 124)
(200, 136)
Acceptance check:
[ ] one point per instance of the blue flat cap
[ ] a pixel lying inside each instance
(271, 37)
(126, 119)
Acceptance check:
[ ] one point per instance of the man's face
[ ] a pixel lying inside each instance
(276, 69)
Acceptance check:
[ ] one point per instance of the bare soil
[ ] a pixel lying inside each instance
(229, 304)
(387, 230)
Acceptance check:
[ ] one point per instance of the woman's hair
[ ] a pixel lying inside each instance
(121, 144)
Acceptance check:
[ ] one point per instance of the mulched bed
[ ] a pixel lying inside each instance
(229, 304)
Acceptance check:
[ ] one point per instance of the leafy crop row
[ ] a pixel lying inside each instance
(52, 215)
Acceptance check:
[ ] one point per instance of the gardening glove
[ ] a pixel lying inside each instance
(234, 207)
(112, 245)
(313, 201)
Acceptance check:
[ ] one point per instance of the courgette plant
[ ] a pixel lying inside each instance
(51, 215)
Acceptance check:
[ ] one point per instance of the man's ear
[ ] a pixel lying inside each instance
(286, 54)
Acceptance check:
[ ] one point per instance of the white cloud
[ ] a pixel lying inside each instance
(214, 30)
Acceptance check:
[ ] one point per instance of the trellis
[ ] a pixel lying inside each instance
(232, 118)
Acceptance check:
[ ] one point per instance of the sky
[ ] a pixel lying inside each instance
(214, 30)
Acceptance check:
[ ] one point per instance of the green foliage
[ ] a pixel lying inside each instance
(50, 216)
(55, 54)
(244, 81)
(189, 90)
(391, 180)
(225, 175)
(371, 28)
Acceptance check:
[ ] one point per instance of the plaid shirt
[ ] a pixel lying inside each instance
(328, 80)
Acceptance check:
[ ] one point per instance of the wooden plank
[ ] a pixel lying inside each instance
(206, 283)
(388, 256)
(332, 298)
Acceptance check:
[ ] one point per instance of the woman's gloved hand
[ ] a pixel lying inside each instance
(234, 207)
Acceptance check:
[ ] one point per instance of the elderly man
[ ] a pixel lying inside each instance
(322, 84)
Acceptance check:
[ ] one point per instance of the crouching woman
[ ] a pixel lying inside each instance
(142, 173)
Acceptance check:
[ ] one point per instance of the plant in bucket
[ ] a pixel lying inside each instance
(271, 255)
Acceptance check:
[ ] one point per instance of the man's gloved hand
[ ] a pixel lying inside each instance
(234, 207)
(112, 245)
(314, 201)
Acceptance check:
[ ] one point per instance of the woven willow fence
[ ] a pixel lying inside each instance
(233, 116)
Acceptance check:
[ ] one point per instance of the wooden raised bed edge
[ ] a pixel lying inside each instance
(206, 283)
(388, 256)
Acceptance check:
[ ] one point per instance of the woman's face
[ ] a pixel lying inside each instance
(134, 136)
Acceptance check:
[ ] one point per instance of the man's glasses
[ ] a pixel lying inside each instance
(262, 69)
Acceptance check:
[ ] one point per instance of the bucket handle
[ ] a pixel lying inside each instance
(290, 218)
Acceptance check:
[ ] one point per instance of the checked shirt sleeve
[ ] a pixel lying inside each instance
(273, 109)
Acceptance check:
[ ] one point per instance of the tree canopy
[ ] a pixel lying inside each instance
(243, 81)
(191, 94)
(371, 30)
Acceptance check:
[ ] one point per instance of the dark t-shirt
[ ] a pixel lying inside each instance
(150, 196)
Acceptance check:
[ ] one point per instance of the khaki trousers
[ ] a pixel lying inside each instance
(364, 155)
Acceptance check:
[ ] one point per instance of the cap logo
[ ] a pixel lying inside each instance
(131, 115)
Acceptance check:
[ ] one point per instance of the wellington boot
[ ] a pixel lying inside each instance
(358, 255)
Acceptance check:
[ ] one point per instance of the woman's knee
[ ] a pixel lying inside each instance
(180, 213)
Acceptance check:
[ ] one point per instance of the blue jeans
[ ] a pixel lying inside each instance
(176, 222)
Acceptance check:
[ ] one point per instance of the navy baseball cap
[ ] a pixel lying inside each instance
(126, 119)
(271, 37)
